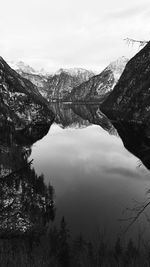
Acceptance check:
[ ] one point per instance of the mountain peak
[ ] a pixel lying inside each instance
(74, 71)
(117, 66)
(22, 67)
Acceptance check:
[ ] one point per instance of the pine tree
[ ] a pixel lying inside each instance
(64, 250)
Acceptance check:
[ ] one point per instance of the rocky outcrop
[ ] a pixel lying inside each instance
(130, 99)
(21, 104)
(99, 87)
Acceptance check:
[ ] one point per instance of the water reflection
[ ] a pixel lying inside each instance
(66, 117)
(85, 160)
(136, 138)
(25, 201)
(80, 116)
(94, 176)
(93, 114)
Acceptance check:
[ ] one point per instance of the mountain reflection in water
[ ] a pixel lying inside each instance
(94, 176)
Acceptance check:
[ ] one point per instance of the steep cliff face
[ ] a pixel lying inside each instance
(39, 80)
(130, 99)
(62, 83)
(99, 86)
(20, 102)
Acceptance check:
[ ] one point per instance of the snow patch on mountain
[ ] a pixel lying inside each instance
(22, 67)
(76, 72)
(117, 67)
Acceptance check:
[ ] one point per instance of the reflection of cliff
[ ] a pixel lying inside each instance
(93, 114)
(65, 116)
(79, 116)
(25, 201)
(136, 138)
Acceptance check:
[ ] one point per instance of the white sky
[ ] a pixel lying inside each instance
(71, 33)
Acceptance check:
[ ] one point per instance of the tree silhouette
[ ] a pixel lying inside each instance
(26, 202)
(131, 41)
(64, 251)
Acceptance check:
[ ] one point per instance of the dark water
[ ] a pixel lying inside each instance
(94, 176)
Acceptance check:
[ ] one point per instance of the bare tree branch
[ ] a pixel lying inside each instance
(131, 41)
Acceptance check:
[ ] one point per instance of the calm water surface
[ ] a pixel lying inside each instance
(95, 178)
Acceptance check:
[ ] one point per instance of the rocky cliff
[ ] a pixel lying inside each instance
(62, 83)
(130, 99)
(21, 103)
(99, 86)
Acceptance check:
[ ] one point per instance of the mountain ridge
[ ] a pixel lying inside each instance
(99, 86)
(55, 86)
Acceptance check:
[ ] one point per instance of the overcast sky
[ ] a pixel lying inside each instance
(71, 33)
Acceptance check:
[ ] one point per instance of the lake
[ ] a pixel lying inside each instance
(94, 176)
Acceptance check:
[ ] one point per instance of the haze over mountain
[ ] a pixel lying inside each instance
(38, 78)
(22, 67)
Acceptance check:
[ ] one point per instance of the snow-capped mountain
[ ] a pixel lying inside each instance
(38, 78)
(76, 72)
(53, 86)
(99, 86)
(74, 84)
(117, 67)
(22, 67)
(63, 82)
